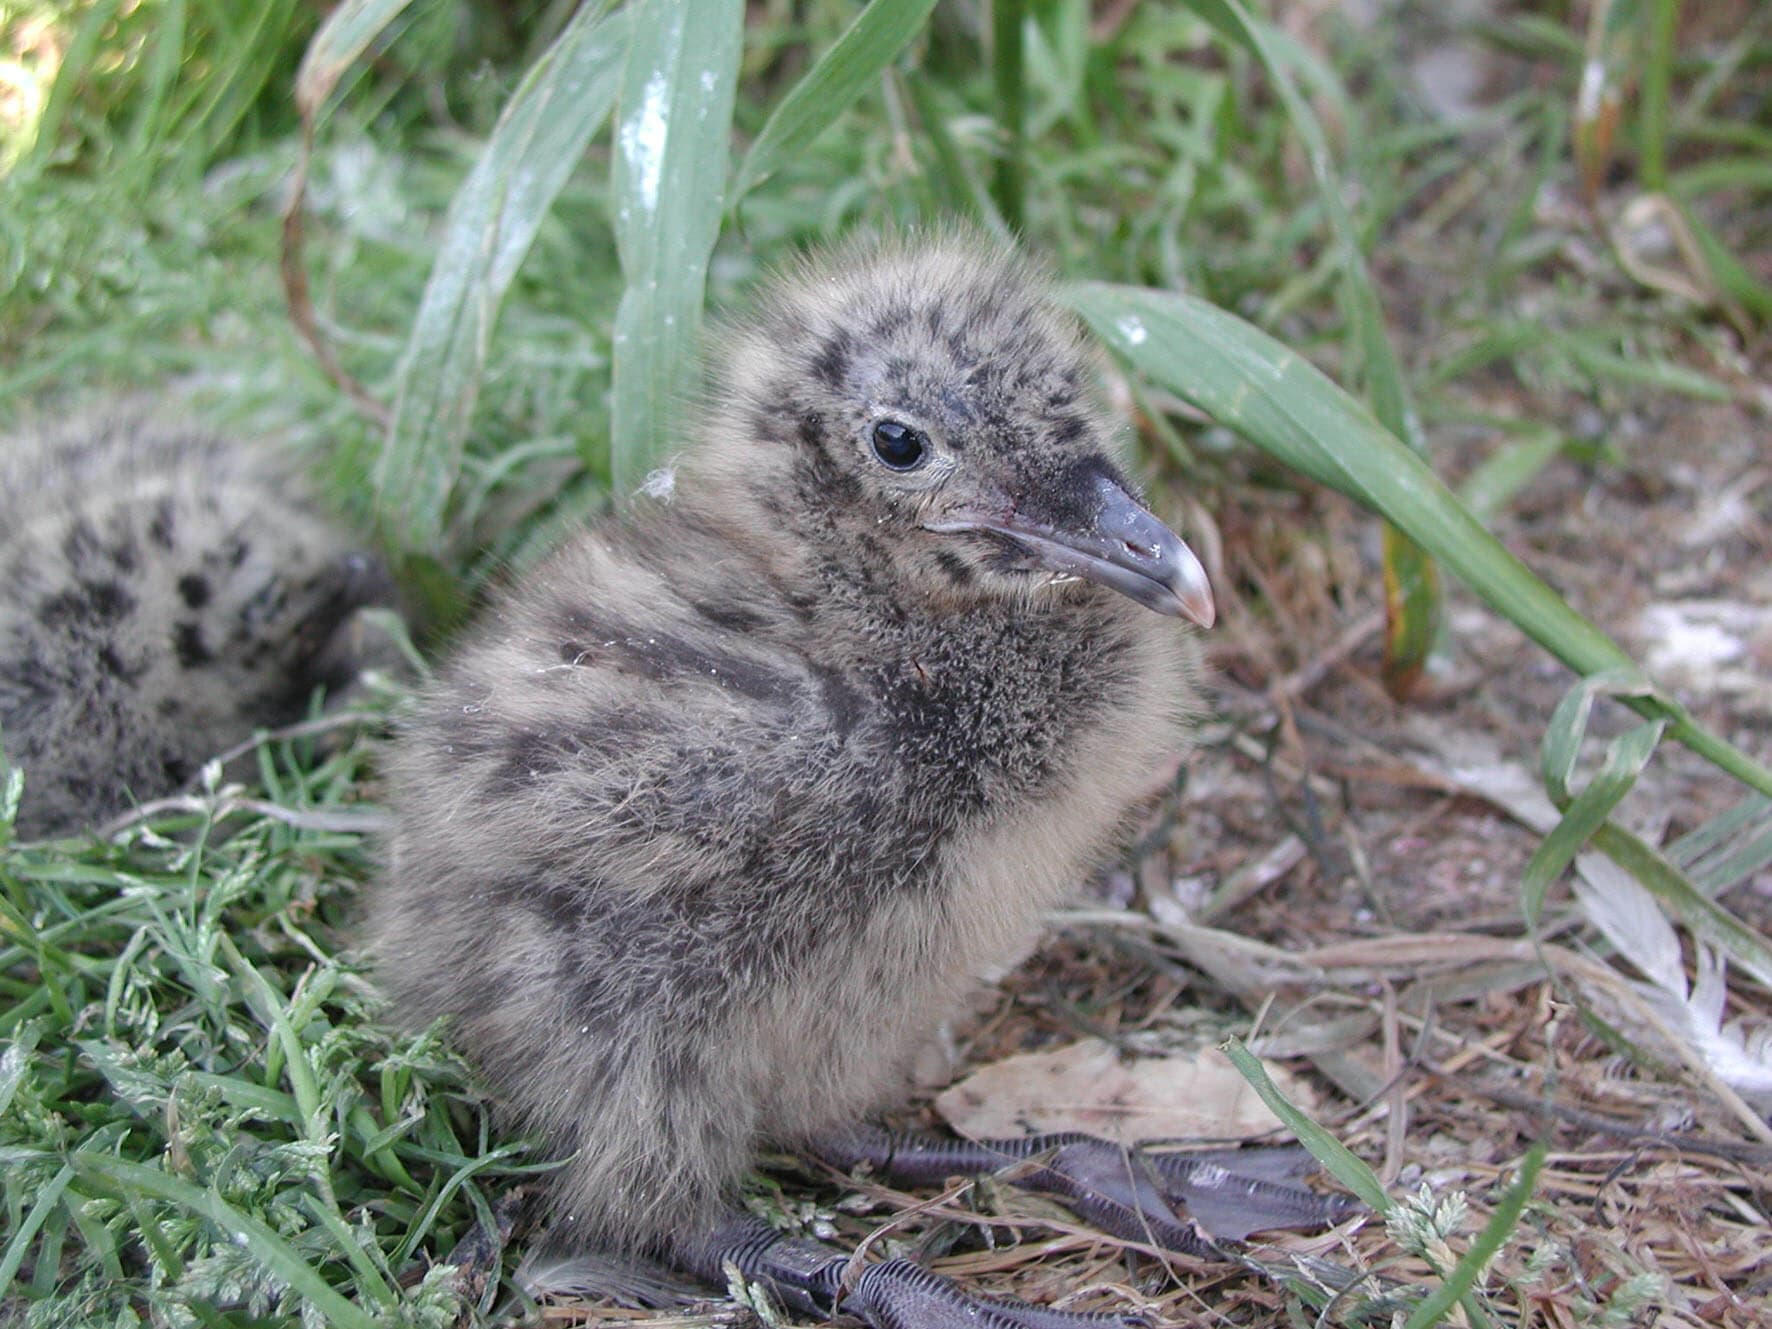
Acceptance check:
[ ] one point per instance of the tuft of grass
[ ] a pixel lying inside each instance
(201, 1112)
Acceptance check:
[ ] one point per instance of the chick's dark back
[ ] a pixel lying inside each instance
(708, 827)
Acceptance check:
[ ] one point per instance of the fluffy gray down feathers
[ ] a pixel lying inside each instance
(163, 592)
(722, 810)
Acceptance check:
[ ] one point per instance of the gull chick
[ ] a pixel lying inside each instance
(163, 592)
(724, 808)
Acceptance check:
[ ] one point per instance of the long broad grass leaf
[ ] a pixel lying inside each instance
(492, 221)
(1276, 399)
(672, 146)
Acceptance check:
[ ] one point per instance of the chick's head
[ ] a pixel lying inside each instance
(925, 406)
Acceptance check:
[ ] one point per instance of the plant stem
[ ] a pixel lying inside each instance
(1010, 188)
(1657, 68)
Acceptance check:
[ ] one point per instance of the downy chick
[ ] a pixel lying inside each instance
(723, 809)
(163, 592)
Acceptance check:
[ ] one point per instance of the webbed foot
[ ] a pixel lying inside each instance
(1183, 1202)
(892, 1294)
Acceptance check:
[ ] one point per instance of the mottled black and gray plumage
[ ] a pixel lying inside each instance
(723, 809)
(163, 591)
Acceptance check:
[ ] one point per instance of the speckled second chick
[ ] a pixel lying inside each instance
(163, 591)
(722, 810)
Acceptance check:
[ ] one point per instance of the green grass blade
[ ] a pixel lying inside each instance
(1660, 18)
(1686, 852)
(1646, 372)
(1009, 186)
(1721, 854)
(152, 1231)
(1391, 400)
(344, 1241)
(672, 150)
(1411, 581)
(833, 83)
(1731, 276)
(273, 1103)
(338, 45)
(461, 1176)
(272, 1011)
(1731, 869)
(960, 190)
(1337, 1159)
(1464, 1275)
(1568, 725)
(1740, 172)
(1586, 813)
(1249, 382)
(20, 1245)
(160, 68)
(492, 221)
(1501, 341)
(266, 1246)
(1489, 488)
(83, 50)
(244, 68)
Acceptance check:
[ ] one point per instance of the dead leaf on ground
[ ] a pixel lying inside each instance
(1088, 1087)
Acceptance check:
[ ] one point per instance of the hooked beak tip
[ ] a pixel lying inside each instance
(1193, 590)
(1134, 553)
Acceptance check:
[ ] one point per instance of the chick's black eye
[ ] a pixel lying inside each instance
(899, 446)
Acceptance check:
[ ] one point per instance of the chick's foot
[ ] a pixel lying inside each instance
(892, 1294)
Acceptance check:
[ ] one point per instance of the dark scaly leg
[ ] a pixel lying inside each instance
(1182, 1202)
(893, 1294)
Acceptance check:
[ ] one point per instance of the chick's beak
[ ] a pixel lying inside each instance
(1118, 543)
